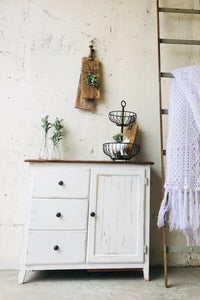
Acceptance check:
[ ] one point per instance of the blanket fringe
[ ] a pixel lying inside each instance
(184, 212)
(164, 207)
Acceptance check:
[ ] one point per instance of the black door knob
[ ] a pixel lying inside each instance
(58, 215)
(60, 182)
(56, 247)
(92, 214)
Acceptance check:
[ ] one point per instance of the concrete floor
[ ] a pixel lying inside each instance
(77, 285)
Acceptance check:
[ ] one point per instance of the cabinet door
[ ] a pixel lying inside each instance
(116, 232)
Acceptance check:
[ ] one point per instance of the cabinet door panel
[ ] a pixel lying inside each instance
(116, 233)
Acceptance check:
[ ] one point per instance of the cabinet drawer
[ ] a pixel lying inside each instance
(59, 214)
(42, 247)
(60, 182)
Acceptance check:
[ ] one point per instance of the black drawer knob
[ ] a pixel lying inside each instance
(60, 182)
(92, 214)
(58, 215)
(56, 248)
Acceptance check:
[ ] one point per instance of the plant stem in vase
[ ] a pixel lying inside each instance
(44, 153)
(56, 137)
(56, 152)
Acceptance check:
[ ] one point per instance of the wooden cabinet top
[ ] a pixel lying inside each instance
(90, 161)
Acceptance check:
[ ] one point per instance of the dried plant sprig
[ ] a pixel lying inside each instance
(46, 125)
(58, 131)
(91, 80)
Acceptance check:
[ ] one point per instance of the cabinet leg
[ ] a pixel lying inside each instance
(146, 273)
(21, 277)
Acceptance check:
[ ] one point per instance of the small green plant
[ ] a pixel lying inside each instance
(118, 137)
(46, 125)
(91, 80)
(58, 131)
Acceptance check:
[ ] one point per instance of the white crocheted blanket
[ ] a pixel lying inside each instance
(182, 178)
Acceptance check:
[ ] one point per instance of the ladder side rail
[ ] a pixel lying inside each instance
(161, 141)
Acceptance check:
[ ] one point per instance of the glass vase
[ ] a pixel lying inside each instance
(44, 153)
(56, 152)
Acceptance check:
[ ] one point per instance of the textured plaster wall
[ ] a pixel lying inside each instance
(41, 46)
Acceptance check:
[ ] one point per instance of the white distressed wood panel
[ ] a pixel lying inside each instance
(116, 234)
(41, 247)
(73, 212)
(46, 182)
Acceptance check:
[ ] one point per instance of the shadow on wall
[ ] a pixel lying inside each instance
(156, 243)
(102, 86)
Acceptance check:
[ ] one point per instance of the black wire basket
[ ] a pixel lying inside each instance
(121, 151)
(121, 118)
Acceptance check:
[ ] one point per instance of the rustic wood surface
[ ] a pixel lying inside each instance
(87, 104)
(130, 133)
(88, 66)
(90, 161)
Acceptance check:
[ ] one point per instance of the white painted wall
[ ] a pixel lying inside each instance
(41, 46)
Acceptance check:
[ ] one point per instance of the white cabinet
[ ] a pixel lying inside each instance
(87, 215)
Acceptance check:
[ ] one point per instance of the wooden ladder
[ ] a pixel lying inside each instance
(164, 111)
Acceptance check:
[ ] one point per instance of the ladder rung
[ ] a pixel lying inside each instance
(183, 249)
(166, 75)
(164, 111)
(164, 152)
(179, 10)
(182, 42)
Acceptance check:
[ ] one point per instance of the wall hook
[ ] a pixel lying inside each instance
(91, 54)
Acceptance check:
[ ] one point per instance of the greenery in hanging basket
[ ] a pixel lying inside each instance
(58, 131)
(46, 125)
(91, 80)
(118, 137)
